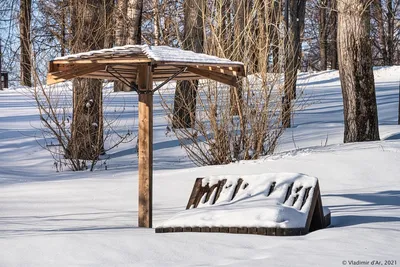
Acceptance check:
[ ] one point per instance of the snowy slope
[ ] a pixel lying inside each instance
(90, 219)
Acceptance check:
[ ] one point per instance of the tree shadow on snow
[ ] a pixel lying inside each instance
(39, 225)
(389, 200)
(393, 137)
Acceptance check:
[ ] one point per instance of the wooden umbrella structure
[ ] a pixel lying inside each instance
(139, 66)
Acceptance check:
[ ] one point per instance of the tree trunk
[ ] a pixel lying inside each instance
(323, 33)
(333, 36)
(134, 13)
(275, 20)
(25, 40)
(110, 21)
(186, 91)
(87, 124)
(297, 13)
(238, 28)
(356, 75)
(63, 41)
(156, 23)
(381, 31)
(128, 29)
(390, 23)
(121, 17)
(121, 35)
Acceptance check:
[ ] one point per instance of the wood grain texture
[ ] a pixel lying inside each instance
(145, 204)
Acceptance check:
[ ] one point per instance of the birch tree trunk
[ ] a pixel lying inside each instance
(134, 14)
(156, 23)
(128, 29)
(25, 40)
(356, 75)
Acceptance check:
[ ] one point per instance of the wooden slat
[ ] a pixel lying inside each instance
(224, 229)
(233, 230)
(262, 231)
(104, 77)
(271, 231)
(195, 191)
(243, 230)
(214, 230)
(182, 75)
(239, 183)
(315, 217)
(196, 229)
(252, 230)
(271, 188)
(186, 78)
(205, 229)
(221, 185)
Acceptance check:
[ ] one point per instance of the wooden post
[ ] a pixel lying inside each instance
(145, 84)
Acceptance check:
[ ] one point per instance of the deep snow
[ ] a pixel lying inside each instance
(90, 219)
(254, 205)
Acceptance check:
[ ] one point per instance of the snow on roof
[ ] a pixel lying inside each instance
(155, 53)
(253, 205)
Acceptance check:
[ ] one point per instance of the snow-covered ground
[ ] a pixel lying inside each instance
(90, 218)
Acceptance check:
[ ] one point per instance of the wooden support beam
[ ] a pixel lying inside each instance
(222, 78)
(104, 61)
(145, 84)
(221, 70)
(73, 72)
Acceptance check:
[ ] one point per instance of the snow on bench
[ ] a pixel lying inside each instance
(267, 204)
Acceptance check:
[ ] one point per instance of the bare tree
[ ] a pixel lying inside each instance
(356, 74)
(25, 42)
(218, 136)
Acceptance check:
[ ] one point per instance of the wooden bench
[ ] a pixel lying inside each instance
(306, 199)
